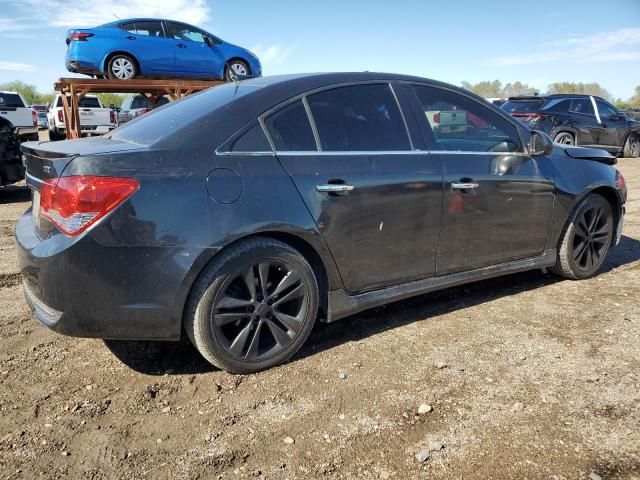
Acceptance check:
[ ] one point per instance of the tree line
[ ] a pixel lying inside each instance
(487, 89)
(33, 97)
(495, 89)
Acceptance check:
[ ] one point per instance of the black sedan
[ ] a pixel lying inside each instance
(243, 214)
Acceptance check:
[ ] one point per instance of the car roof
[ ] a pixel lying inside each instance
(553, 96)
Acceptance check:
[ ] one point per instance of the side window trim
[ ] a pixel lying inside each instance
(221, 150)
(502, 114)
(303, 98)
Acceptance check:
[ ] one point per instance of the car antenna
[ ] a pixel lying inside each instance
(116, 16)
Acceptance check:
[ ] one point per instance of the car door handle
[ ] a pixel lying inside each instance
(335, 188)
(131, 37)
(463, 186)
(182, 45)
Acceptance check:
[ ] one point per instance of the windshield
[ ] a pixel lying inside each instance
(148, 129)
(522, 105)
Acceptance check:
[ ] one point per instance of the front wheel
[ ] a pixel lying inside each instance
(564, 138)
(632, 146)
(236, 70)
(253, 307)
(586, 239)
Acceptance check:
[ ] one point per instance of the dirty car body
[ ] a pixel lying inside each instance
(379, 216)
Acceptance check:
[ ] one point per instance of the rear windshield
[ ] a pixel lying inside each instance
(521, 105)
(161, 122)
(10, 100)
(86, 102)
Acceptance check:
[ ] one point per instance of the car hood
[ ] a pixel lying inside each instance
(595, 154)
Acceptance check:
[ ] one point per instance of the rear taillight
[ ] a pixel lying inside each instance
(113, 116)
(436, 118)
(80, 37)
(73, 204)
(60, 116)
(34, 117)
(530, 116)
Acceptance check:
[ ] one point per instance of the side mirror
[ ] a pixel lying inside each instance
(208, 41)
(540, 144)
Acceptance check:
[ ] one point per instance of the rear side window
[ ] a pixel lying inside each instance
(253, 140)
(359, 118)
(557, 106)
(512, 106)
(147, 28)
(86, 102)
(581, 105)
(290, 129)
(10, 100)
(459, 123)
(140, 102)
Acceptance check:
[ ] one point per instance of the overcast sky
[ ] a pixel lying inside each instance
(536, 42)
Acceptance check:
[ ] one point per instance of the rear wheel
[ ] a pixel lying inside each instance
(632, 146)
(121, 67)
(564, 138)
(586, 239)
(253, 307)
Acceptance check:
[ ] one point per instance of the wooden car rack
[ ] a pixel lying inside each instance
(73, 89)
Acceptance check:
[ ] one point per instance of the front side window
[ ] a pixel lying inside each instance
(581, 105)
(359, 118)
(459, 123)
(180, 31)
(290, 129)
(605, 110)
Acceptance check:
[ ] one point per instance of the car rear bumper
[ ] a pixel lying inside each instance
(77, 66)
(81, 288)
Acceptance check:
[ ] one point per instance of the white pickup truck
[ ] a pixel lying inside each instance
(13, 108)
(94, 119)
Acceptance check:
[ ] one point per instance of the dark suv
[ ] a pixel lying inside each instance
(573, 119)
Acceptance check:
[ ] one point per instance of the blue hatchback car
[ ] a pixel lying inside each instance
(147, 47)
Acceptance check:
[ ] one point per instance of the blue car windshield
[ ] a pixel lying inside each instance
(150, 128)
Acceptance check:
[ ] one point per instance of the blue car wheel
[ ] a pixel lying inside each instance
(236, 70)
(121, 67)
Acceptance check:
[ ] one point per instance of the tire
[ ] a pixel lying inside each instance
(244, 331)
(632, 146)
(122, 67)
(586, 239)
(234, 70)
(564, 138)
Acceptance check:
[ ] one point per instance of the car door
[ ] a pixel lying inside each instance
(584, 121)
(375, 198)
(497, 203)
(146, 40)
(194, 54)
(613, 125)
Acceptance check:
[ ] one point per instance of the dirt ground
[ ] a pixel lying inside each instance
(527, 376)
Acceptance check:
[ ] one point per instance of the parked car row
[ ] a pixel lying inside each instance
(585, 120)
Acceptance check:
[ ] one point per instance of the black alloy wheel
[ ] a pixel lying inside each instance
(260, 311)
(253, 307)
(586, 239)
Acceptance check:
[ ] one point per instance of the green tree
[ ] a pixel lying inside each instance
(517, 88)
(110, 99)
(485, 89)
(634, 101)
(29, 92)
(584, 88)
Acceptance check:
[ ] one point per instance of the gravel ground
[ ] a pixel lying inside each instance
(527, 376)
